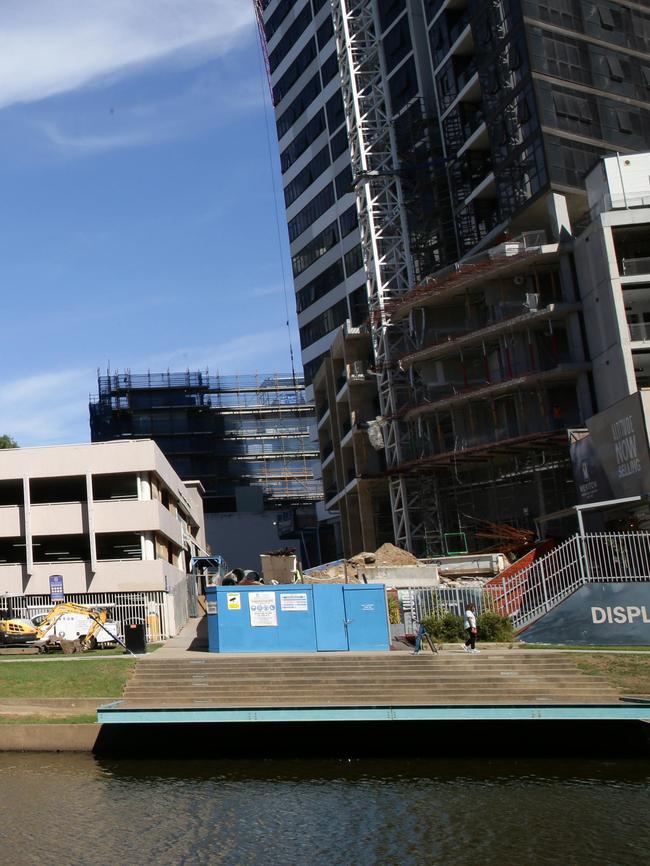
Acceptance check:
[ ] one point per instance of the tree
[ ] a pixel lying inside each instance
(8, 442)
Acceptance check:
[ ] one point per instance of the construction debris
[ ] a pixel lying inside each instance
(351, 570)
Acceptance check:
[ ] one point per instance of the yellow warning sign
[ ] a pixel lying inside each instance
(234, 601)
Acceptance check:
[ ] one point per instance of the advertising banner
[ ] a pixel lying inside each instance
(620, 440)
(612, 459)
(599, 614)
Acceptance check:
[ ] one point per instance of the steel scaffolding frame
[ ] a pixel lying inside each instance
(384, 233)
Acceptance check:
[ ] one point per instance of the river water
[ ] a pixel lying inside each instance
(77, 810)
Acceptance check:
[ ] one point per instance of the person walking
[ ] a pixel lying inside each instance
(470, 628)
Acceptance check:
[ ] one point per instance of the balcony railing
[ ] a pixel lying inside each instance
(635, 267)
(639, 332)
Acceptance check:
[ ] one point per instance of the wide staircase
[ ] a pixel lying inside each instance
(391, 679)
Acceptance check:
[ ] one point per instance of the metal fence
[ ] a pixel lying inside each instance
(419, 602)
(527, 594)
(149, 608)
(595, 557)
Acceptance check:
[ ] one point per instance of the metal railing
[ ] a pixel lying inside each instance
(635, 267)
(124, 607)
(639, 331)
(527, 594)
(608, 556)
(419, 602)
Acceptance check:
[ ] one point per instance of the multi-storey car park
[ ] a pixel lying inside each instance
(471, 126)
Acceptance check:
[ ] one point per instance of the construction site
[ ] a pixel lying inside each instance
(475, 373)
(229, 432)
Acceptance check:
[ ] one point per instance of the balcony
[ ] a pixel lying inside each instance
(451, 394)
(504, 318)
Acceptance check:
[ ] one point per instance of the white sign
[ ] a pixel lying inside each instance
(211, 607)
(293, 601)
(262, 608)
(234, 600)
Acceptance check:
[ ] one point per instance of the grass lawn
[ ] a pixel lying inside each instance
(74, 677)
(630, 674)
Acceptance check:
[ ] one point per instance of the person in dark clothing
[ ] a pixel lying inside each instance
(470, 628)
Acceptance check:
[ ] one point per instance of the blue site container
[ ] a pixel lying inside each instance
(297, 618)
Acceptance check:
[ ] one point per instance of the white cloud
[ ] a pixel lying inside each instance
(48, 48)
(51, 408)
(47, 408)
(179, 115)
(266, 351)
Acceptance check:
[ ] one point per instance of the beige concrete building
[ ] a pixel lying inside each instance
(113, 519)
(356, 489)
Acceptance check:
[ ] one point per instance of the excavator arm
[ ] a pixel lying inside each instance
(46, 631)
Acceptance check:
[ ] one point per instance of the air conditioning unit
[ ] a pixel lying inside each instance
(532, 301)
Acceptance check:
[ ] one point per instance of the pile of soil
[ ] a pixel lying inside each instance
(387, 554)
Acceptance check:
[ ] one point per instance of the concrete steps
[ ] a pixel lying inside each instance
(362, 680)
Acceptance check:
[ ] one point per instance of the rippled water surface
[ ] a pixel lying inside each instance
(74, 809)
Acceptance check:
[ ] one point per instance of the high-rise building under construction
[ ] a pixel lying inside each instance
(457, 134)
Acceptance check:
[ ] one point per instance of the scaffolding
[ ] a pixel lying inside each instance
(384, 231)
(227, 431)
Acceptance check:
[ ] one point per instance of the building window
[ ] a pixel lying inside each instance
(325, 32)
(335, 112)
(625, 122)
(353, 260)
(311, 172)
(573, 107)
(349, 221)
(330, 68)
(324, 324)
(339, 143)
(307, 135)
(343, 182)
(316, 248)
(299, 105)
(290, 38)
(319, 286)
(615, 69)
(311, 212)
(295, 70)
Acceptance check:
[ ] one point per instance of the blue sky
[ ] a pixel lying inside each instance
(137, 217)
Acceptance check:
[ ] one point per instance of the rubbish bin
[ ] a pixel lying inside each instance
(135, 637)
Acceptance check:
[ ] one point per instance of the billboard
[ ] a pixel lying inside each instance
(613, 460)
(597, 614)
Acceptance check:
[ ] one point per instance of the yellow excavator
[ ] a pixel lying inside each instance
(65, 622)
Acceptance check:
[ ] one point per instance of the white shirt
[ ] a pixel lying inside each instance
(470, 619)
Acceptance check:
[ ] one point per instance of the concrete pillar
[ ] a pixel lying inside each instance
(91, 522)
(144, 486)
(559, 218)
(147, 545)
(27, 506)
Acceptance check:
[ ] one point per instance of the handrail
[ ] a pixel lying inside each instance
(594, 557)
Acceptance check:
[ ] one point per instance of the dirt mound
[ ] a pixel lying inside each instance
(388, 554)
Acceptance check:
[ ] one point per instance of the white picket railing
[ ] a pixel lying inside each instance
(149, 608)
(613, 556)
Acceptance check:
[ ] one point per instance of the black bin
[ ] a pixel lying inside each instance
(135, 637)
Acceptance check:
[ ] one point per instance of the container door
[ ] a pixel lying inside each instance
(329, 615)
(366, 618)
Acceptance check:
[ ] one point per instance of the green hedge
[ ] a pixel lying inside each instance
(447, 627)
